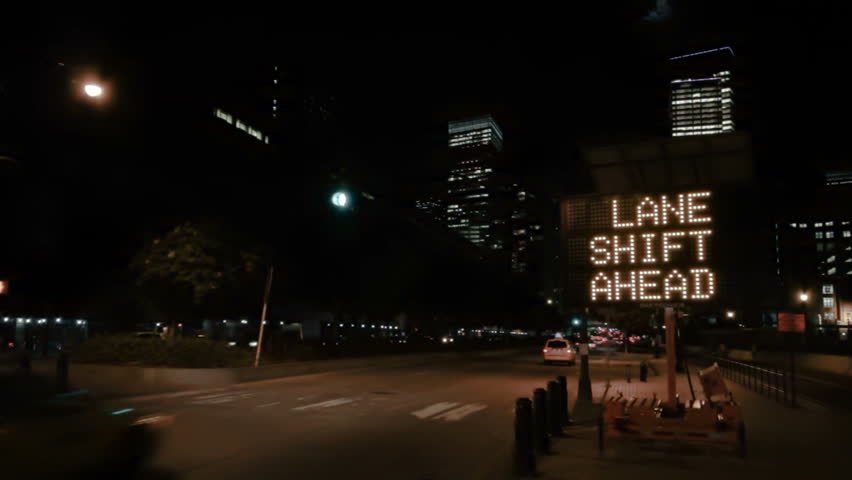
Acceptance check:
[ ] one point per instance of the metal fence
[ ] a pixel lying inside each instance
(774, 382)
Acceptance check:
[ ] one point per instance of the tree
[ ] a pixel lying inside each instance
(185, 267)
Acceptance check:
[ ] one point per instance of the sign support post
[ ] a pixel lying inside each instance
(671, 356)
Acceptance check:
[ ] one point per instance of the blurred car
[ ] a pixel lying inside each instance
(558, 350)
(45, 435)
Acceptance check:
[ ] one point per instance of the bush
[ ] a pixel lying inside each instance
(177, 352)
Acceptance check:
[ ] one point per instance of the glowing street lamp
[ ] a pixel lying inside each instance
(730, 314)
(803, 297)
(93, 90)
(550, 301)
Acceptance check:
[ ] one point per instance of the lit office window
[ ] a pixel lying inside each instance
(828, 302)
(818, 235)
(224, 115)
(829, 234)
(828, 289)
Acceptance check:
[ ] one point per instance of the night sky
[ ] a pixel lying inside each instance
(91, 183)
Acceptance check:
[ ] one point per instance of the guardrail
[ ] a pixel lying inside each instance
(774, 382)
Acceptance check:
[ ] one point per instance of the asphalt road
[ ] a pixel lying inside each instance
(449, 420)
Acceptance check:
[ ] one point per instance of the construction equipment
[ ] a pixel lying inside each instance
(716, 421)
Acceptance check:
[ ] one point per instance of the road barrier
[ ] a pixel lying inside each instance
(563, 400)
(554, 414)
(542, 441)
(774, 382)
(524, 451)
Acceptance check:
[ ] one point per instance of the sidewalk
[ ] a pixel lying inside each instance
(781, 442)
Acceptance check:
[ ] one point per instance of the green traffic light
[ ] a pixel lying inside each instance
(340, 199)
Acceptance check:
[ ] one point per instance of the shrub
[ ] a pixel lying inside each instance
(177, 352)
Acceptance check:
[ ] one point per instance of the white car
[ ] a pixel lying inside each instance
(558, 350)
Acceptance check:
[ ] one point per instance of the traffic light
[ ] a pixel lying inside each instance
(341, 199)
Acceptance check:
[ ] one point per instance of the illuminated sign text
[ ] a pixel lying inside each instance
(643, 258)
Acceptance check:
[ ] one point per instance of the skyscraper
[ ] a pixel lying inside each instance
(275, 103)
(475, 146)
(701, 93)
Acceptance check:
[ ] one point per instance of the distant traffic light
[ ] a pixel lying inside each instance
(340, 199)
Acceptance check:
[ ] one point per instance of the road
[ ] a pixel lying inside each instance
(451, 420)
(446, 420)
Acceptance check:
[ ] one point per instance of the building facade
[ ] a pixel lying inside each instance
(475, 147)
(488, 206)
(815, 258)
(701, 93)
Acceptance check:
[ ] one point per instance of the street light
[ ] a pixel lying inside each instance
(730, 314)
(803, 297)
(93, 90)
(550, 301)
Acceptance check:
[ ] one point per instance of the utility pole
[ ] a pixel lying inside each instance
(263, 317)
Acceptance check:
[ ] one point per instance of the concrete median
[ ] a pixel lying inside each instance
(120, 380)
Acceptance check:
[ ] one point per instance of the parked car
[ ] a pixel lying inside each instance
(558, 350)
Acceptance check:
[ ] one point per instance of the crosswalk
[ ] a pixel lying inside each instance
(457, 414)
(328, 403)
(445, 411)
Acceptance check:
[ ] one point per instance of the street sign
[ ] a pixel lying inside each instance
(641, 249)
(791, 322)
(4, 287)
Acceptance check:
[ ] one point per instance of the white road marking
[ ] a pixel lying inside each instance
(433, 409)
(461, 412)
(267, 405)
(326, 404)
(217, 399)
(206, 397)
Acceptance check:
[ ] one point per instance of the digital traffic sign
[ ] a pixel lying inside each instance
(653, 248)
